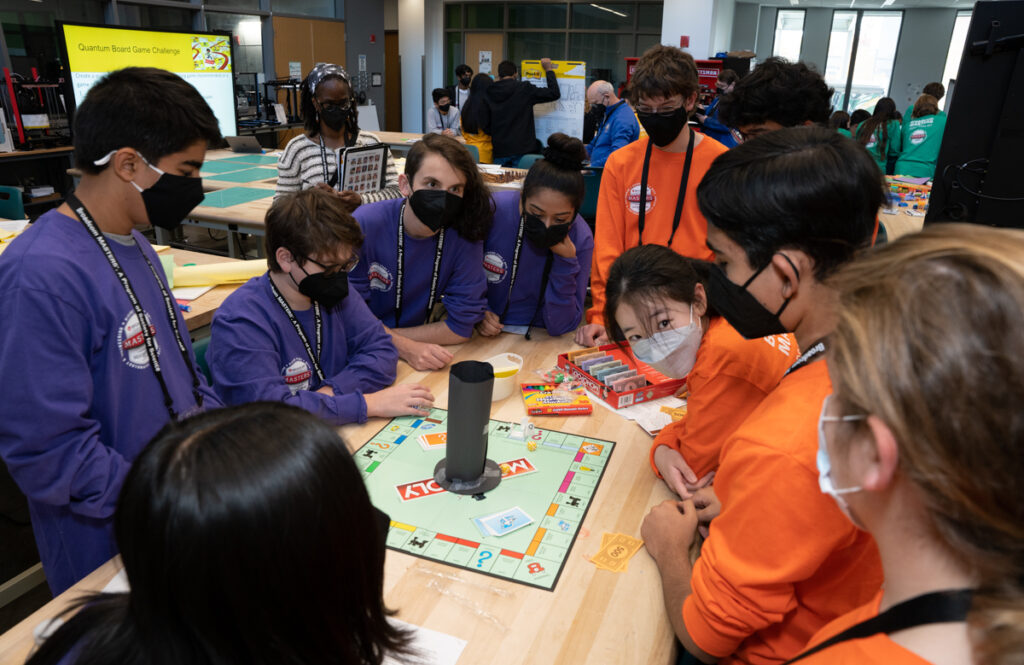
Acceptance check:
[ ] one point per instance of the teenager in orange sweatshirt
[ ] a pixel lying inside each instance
(666, 166)
(781, 560)
(657, 302)
(936, 481)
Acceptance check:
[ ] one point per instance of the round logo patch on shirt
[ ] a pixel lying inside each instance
(494, 267)
(872, 142)
(380, 277)
(918, 136)
(297, 375)
(633, 199)
(132, 343)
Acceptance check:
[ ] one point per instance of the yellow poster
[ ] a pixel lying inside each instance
(102, 50)
(566, 114)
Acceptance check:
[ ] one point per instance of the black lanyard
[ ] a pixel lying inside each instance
(543, 287)
(148, 336)
(515, 263)
(816, 349)
(400, 270)
(314, 357)
(936, 607)
(441, 117)
(335, 181)
(682, 188)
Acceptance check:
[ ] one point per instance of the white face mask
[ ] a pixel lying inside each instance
(825, 463)
(671, 352)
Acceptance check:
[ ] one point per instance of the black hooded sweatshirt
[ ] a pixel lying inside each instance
(508, 114)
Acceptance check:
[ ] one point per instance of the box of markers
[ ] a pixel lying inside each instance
(612, 373)
(548, 399)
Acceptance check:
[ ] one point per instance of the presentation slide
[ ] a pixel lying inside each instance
(566, 114)
(204, 60)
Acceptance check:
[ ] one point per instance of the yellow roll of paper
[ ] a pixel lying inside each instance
(211, 274)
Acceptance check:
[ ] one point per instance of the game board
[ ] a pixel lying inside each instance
(554, 484)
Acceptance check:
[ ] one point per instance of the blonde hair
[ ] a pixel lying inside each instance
(925, 105)
(930, 339)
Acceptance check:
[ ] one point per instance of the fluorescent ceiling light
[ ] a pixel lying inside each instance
(612, 11)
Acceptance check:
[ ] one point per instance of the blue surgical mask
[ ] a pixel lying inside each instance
(671, 352)
(825, 463)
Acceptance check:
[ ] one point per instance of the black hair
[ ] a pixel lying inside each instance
(935, 89)
(789, 93)
(506, 68)
(807, 188)
(471, 109)
(839, 120)
(474, 224)
(247, 536)
(463, 69)
(151, 110)
(648, 274)
(885, 110)
(858, 116)
(310, 117)
(440, 93)
(559, 170)
(728, 76)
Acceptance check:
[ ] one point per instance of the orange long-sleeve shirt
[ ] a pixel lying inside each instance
(730, 377)
(782, 560)
(866, 651)
(618, 208)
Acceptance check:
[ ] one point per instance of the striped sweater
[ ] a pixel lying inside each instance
(300, 167)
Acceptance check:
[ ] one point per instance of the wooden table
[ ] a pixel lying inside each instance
(900, 224)
(400, 142)
(592, 616)
(205, 305)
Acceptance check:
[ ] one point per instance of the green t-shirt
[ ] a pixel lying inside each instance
(922, 138)
(880, 152)
(845, 132)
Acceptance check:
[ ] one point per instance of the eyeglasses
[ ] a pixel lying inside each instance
(663, 112)
(837, 419)
(342, 106)
(346, 267)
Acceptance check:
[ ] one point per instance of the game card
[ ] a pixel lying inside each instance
(628, 383)
(434, 441)
(617, 368)
(618, 375)
(594, 369)
(585, 365)
(504, 522)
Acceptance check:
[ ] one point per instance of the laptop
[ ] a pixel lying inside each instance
(247, 144)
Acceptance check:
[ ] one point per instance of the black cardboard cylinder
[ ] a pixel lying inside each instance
(470, 385)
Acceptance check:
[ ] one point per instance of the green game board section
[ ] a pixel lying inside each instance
(438, 525)
(251, 159)
(222, 166)
(247, 175)
(225, 198)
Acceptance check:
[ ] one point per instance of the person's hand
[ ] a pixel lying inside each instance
(423, 356)
(708, 507)
(591, 334)
(565, 249)
(352, 200)
(546, 64)
(701, 117)
(677, 474)
(448, 132)
(490, 325)
(407, 399)
(669, 530)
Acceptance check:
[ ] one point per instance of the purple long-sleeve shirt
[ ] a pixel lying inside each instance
(461, 285)
(81, 400)
(562, 301)
(256, 354)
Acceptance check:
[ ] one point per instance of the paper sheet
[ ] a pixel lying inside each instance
(225, 198)
(189, 292)
(647, 415)
(434, 648)
(119, 584)
(211, 274)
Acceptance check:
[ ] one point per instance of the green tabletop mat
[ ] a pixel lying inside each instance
(246, 175)
(225, 198)
(251, 159)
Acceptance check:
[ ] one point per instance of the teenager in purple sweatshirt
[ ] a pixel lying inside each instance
(537, 256)
(438, 230)
(295, 335)
(78, 339)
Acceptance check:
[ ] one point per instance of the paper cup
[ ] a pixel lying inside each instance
(506, 368)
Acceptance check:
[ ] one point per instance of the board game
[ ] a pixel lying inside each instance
(550, 478)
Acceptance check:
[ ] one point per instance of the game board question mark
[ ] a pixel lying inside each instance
(484, 556)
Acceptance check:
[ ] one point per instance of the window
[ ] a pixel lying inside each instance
(604, 53)
(876, 53)
(789, 34)
(840, 51)
(453, 16)
(956, 51)
(234, 4)
(247, 33)
(154, 18)
(536, 16)
(534, 46)
(487, 17)
(314, 8)
(648, 17)
(594, 16)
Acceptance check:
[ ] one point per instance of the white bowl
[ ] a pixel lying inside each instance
(506, 369)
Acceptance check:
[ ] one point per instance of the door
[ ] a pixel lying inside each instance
(484, 50)
(392, 83)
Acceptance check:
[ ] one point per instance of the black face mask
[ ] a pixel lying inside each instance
(437, 209)
(741, 309)
(171, 198)
(663, 130)
(597, 110)
(334, 116)
(327, 290)
(444, 107)
(544, 236)
(465, 80)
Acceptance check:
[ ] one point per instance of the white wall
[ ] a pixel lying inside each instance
(694, 18)
(724, 13)
(411, 45)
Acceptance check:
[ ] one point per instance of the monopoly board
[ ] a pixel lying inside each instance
(542, 499)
